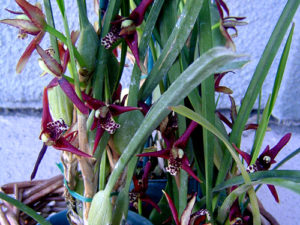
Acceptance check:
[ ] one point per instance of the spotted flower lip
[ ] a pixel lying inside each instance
(104, 113)
(265, 159)
(187, 216)
(54, 133)
(125, 27)
(140, 188)
(31, 21)
(175, 155)
(57, 70)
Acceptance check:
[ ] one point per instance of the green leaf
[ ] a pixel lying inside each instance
(143, 46)
(288, 175)
(172, 48)
(287, 158)
(262, 69)
(101, 209)
(24, 208)
(61, 5)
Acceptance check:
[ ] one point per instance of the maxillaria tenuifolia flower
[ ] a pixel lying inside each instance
(55, 134)
(187, 217)
(233, 115)
(125, 27)
(265, 159)
(57, 70)
(103, 119)
(175, 155)
(140, 188)
(31, 21)
(229, 22)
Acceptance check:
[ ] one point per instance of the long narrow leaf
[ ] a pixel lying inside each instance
(29, 211)
(172, 48)
(263, 68)
(289, 175)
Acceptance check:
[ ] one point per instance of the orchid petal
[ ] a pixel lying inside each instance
(14, 12)
(117, 109)
(182, 141)
(34, 13)
(274, 192)
(117, 94)
(149, 201)
(64, 145)
(233, 112)
(283, 141)
(38, 161)
(50, 62)
(99, 134)
(245, 155)
(132, 42)
(186, 214)
(92, 103)
(185, 166)
(69, 91)
(46, 116)
(251, 126)
(146, 174)
(138, 13)
(172, 207)
(28, 51)
(223, 89)
(162, 154)
(24, 25)
(224, 119)
(95, 123)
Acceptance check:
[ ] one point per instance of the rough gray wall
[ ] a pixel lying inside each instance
(25, 90)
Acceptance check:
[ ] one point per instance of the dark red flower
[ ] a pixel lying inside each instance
(30, 21)
(233, 115)
(175, 155)
(55, 133)
(104, 113)
(265, 159)
(57, 70)
(140, 188)
(187, 217)
(229, 22)
(125, 27)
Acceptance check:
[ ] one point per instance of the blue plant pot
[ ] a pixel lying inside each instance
(132, 219)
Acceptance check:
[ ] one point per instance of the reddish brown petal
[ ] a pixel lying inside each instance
(132, 42)
(92, 103)
(64, 145)
(138, 13)
(117, 94)
(34, 13)
(38, 161)
(69, 91)
(283, 141)
(251, 126)
(274, 192)
(98, 136)
(24, 25)
(50, 62)
(28, 51)
(233, 112)
(224, 119)
(185, 166)
(172, 207)
(223, 89)
(46, 117)
(149, 201)
(165, 154)
(146, 174)
(245, 155)
(117, 109)
(14, 12)
(182, 141)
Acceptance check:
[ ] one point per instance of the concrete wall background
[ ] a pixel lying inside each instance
(25, 90)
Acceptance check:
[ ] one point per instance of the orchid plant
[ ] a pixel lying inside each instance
(166, 122)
